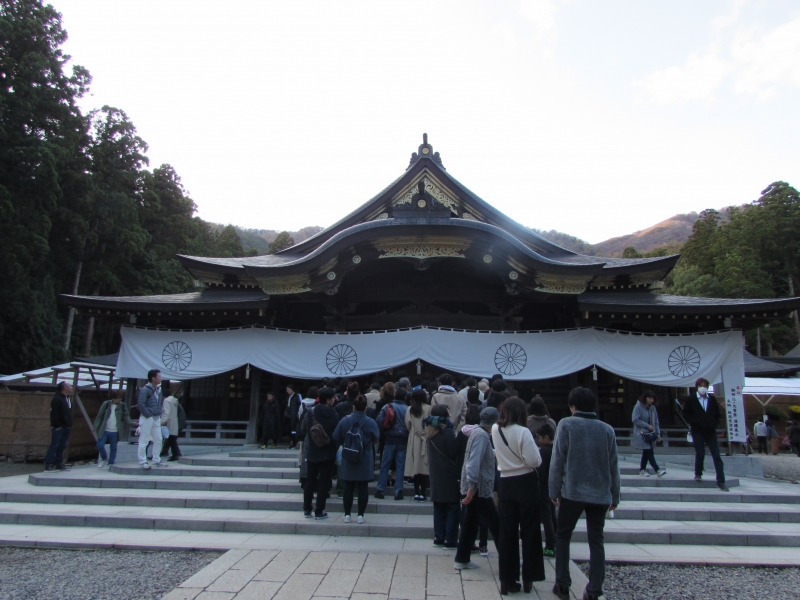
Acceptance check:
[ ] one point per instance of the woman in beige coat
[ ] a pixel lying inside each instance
(169, 419)
(417, 449)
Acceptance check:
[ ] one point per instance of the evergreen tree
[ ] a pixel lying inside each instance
(229, 245)
(41, 142)
(282, 242)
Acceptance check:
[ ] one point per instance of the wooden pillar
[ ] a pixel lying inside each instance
(255, 392)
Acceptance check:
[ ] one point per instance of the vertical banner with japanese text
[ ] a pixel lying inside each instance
(732, 383)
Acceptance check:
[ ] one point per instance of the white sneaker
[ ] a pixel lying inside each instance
(661, 472)
(160, 463)
(347, 518)
(470, 565)
(644, 473)
(145, 466)
(101, 463)
(360, 519)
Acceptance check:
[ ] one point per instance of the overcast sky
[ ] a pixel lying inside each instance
(593, 118)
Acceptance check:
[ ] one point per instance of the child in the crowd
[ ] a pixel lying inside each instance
(547, 511)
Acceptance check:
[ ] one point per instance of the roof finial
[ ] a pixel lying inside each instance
(425, 151)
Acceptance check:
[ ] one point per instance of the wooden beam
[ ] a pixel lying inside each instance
(77, 398)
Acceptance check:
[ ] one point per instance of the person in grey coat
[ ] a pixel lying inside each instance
(645, 421)
(477, 483)
(584, 477)
(444, 474)
(357, 474)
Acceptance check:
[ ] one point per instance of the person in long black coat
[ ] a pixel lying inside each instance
(320, 459)
(444, 475)
(270, 421)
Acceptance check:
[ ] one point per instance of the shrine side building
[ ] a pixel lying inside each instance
(427, 251)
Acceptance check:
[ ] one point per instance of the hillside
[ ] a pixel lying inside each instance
(671, 233)
(261, 238)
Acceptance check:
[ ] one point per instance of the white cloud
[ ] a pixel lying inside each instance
(723, 21)
(757, 64)
(764, 64)
(541, 14)
(695, 80)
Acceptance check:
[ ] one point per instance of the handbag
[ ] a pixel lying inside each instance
(649, 436)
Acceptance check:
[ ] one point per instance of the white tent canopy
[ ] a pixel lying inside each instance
(772, 386)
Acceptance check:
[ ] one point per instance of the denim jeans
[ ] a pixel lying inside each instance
(568, 514)
(445, 522)
(58, 442)
(111, 437)
(392, 452)
(701, 440)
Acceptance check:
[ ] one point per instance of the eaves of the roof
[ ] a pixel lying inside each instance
(668, 304)
(203, 300)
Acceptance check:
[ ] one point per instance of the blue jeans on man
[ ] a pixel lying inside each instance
(110, 438)
(58, 443)
(392, 453)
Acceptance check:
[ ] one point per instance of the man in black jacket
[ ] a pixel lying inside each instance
(702, 413)
(60, 426)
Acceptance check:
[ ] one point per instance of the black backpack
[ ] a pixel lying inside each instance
(353, 447)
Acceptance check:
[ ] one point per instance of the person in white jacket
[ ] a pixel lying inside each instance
(760, 431)
(517, 459)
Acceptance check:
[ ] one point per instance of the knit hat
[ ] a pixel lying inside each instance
(489, 416)
(483, 385)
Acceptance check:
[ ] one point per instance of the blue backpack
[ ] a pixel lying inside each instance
(353, 446)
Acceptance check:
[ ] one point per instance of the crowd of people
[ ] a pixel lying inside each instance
(488, 461)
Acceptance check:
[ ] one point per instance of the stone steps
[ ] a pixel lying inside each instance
(618, 531)
(257, 492)
(183, 469)
(631, 510)
(228, 484)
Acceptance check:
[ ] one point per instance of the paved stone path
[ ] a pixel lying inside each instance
(301, 575)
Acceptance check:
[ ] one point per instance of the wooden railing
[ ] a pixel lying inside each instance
(675, 437)
(220, 430)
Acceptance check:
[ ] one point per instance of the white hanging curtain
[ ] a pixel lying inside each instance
(667, 360)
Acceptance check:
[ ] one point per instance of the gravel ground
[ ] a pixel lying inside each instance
(783, 466)
(95, 574)
(668, 582)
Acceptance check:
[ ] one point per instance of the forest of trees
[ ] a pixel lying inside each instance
(753, 253)
(81, 211)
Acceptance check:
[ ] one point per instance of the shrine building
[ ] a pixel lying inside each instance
(426, 277)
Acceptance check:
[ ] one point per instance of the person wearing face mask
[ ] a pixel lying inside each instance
(702, 412)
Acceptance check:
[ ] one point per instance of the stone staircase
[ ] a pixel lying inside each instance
(257, 491)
